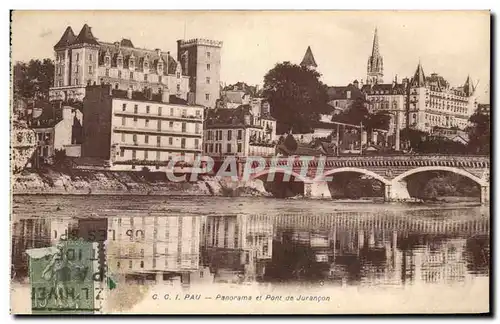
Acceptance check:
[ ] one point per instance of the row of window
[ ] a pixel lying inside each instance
(217, 148)
(158, 140)
(145, 76)
(218, 135)
(150, 154)
(160, 110)
(159, 123)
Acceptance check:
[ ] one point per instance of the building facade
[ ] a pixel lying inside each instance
(241, 131)
(201, 61)
(434, 103)
(134, 129)
(82, 60)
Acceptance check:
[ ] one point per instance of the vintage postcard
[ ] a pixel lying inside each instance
(250, 162)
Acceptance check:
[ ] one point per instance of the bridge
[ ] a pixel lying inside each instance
(392, 170)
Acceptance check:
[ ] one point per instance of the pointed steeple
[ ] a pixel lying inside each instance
(67, 39)
(469, 87)
(86, 37)
(375, 66)
(308, 59)
(375, 51)
(419, 77)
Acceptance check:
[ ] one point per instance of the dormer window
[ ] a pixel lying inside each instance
(132, 63)
(160, 67)
(119, 60)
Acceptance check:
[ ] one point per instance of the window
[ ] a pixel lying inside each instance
(119, 74)
(184, 113)
(136, 108)
(76, 82)
(77, 57)
(239, 147)
(159, 79)
(145, 155)
(171, 124)
(208, 54)
(240, 134)
(134, 154)
(131, 75)
(171, 111)
(134, 138)
(229, 134)
(135, 120)
(159, 111)
(228, 149)
(178, 75)
(208, 80)
(147, 109)
(124, 107)
(90, 69)
(107, 72)
(124, 121)
(123, 137)
(208, 67)
(146, 139)
(211, 148)
(157, 156)
(122, 153)
(178, 87)
(197, 129)
(158, 140)
(116, 86)
(90, 57)
(207, 96)
(196, 143)
(183, 127)
(145, 77)
(170, 141)
(159, 125)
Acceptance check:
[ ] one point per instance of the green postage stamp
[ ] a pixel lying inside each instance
(63, 278)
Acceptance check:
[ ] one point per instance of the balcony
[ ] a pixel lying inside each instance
(157, 147)
(142, 130)
(191, 118)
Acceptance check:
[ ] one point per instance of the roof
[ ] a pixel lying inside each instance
(468, 87)
(86, 37)
(419, 77)
(234, 96)
(231, 117)
(302, 149)
(340, 92)
(126, 43)
(67, 38)
(308, 59)
(140, 56)
(384, 88)
(375, 49)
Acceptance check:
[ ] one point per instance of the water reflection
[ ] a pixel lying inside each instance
(344, 248)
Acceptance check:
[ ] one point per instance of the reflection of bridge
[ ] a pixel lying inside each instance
(389, 170)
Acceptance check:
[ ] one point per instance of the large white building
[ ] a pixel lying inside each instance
(134, 130)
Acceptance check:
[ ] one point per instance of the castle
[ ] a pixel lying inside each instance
(82, 60)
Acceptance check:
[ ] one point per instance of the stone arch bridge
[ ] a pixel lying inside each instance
(391, 170)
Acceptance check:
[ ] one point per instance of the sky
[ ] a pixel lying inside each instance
(453, 44)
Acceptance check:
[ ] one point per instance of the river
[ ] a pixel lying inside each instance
(330, 257)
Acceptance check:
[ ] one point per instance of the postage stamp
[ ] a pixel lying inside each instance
(62, 278)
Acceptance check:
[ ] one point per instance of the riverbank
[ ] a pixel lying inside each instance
(97, 182)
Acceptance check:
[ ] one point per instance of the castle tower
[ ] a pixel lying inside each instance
(308, 60)
(84, 58)
(62, 55)
(375, 67)
(200, 59)
(417, 99)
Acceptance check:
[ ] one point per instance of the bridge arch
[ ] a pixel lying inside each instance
(462, 172)
(355, 170)
(280, 170)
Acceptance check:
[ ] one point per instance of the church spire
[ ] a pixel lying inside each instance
(375, 67)
(308, 59)
(469, 87)
(419, 77)
(375, 51)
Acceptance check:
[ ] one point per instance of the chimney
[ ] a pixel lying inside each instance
(191, 98)
(158, 51)
(66, 112)
(165, 95)
(110, 89)
(356, 83)
(129, 93)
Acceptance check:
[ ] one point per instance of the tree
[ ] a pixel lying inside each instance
(479, 133)
(297, 97)
(379, 120)
(32, 80)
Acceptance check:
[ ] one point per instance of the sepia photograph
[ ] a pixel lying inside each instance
(250, 162)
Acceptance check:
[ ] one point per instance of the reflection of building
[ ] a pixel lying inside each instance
(141, 129)
(236, 246)
(153, 245)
